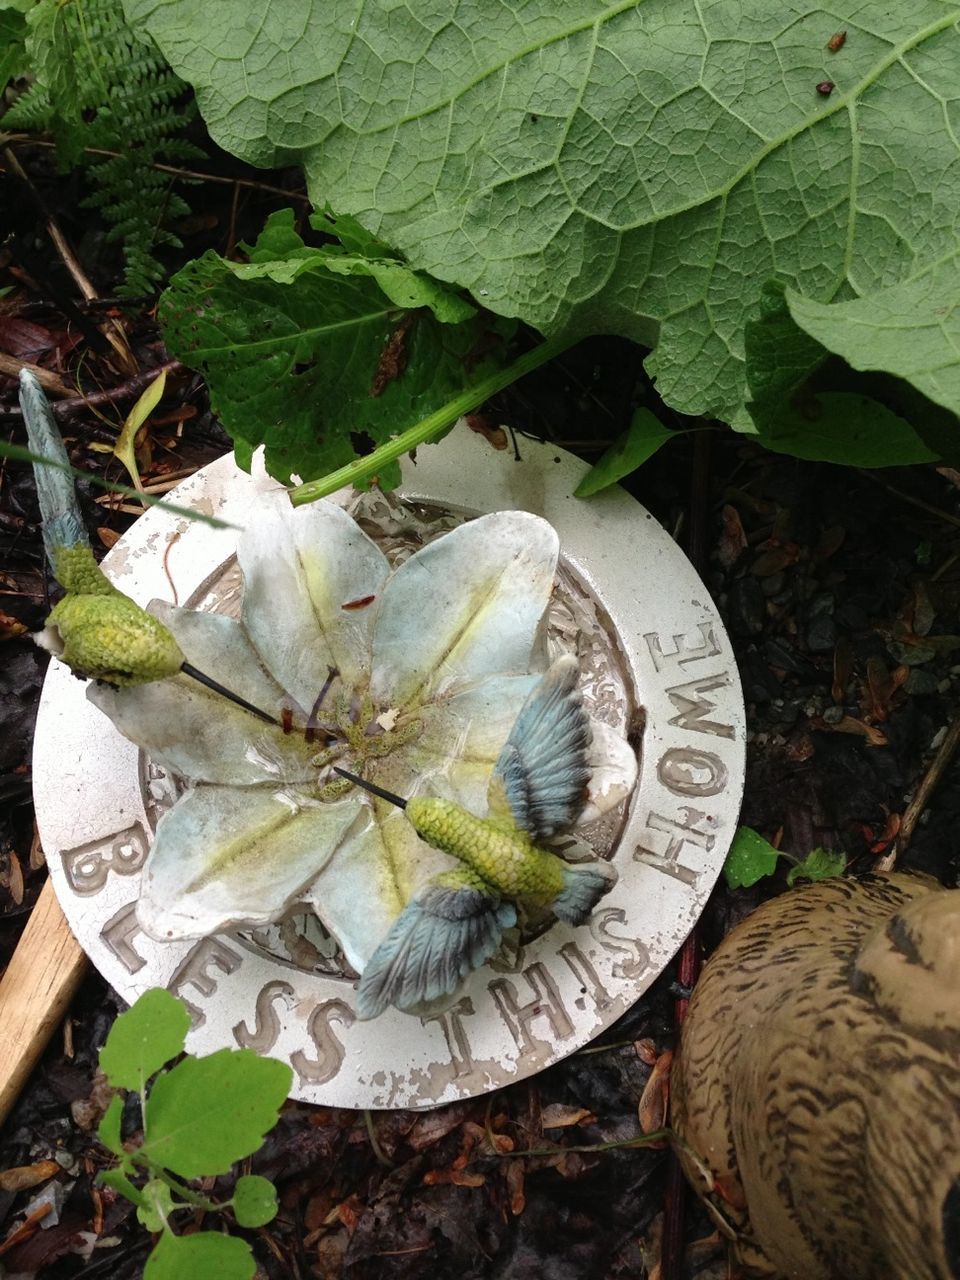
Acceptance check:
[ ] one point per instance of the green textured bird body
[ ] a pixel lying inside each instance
(108, 637)
(456, 922)
(505, 861)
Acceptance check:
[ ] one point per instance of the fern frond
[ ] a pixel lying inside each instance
(98, 85)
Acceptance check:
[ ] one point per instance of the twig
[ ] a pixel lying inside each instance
(378, 1151)
(94, 399)
(908, 497)
(921, 798)
(187, 175)
(51, 382)
(112, 331)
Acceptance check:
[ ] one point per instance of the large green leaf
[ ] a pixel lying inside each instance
(209, 1112)
(203, 1256)
(804, 402)
(304, 348)
(911, 329)
(636, 168)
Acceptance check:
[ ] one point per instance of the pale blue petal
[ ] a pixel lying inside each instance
(197, 733)
(226, 858)
(301, 567)
(466, 606)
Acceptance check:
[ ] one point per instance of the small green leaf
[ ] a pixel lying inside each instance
(819, 864)
(156, 1205)
(254, 1200)
(207, 1113)
(204, 1256)
(125, 448)
(144, 1038)
(749, 860)
(108, 1130)
(118, 1180)
(640, 441)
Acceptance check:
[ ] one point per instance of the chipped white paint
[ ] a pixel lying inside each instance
(97, 803)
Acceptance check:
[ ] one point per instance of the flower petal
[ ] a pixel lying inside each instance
(197, 733)
(301, 567)
(223, 858)
(377, 870)
(613, 771)
(466, 606)
(462, 737)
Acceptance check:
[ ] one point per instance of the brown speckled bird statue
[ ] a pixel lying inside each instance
(816, 1096)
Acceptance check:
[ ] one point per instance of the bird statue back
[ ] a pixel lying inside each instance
(95, 629)
(816, 1094)
(99, 633)
(537, 790)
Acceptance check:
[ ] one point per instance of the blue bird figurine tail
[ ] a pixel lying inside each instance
(62, 523)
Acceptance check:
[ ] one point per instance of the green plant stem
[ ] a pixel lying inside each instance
(646, 1140)
(430, 426)
(190, 1197)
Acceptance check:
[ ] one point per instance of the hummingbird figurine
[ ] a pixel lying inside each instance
(95, 629)
(455, 923)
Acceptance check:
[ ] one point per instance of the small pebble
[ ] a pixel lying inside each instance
(833, 715)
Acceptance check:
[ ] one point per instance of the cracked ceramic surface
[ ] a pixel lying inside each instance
(413, 675)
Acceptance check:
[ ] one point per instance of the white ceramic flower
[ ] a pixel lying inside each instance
(433, 662)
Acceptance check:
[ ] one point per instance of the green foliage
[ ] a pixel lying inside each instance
(200, 1116)
(204, 1256)
(206, 1113)
(819, 864)
(13, 31)
(254, 1200)
(751, 857)
(145, 1039)
(640, 441)
(802, 404)
(305, 347)
(96, 84)
(637, 169)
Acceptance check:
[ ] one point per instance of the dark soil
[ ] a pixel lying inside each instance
(840, 591)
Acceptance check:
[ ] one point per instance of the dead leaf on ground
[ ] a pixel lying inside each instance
(559, 1116)
(491, 433)
(28, 1175)
(10, 627)
(11, 876)
(733, 540)
(652, 1111)
(850, 724)
(515, 1176)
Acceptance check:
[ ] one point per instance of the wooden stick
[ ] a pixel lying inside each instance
(47, 967)
(52, 383)
(921, 797)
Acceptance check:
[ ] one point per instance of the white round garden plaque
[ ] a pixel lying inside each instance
(656, 663)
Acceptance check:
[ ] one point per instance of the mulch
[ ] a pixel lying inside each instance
(840, 590)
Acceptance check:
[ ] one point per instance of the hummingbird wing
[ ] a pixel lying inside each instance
(540, 779)
(453, 925)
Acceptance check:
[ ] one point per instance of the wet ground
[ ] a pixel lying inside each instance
(840, 590)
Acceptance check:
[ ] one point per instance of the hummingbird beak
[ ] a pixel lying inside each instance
(189, 670)
(369, 786)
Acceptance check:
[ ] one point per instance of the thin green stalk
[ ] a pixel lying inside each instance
(430, 426)
(185, 1193)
